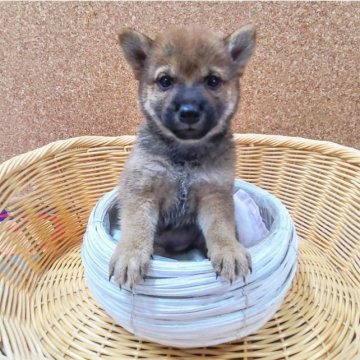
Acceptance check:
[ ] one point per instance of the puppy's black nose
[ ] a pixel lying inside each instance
(189, 113)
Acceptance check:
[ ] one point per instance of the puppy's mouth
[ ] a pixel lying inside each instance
(187, 128)
(189, 133)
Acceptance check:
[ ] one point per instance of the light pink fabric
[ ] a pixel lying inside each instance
(250, 226)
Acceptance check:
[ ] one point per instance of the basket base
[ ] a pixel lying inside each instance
(315, 320)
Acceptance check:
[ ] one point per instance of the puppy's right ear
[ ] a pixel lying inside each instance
(136, 48)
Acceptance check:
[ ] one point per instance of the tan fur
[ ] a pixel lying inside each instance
(163, 169)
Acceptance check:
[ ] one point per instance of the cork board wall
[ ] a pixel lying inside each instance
(63, 75)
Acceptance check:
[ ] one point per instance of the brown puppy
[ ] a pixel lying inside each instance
(176, 188)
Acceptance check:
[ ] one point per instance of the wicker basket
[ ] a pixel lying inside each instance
(46, 310)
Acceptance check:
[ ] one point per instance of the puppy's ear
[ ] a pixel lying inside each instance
(136, 48)
(241, 44)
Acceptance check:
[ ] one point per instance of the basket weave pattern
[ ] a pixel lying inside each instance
(46, 310)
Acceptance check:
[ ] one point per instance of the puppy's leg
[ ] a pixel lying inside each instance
(216, 219)
(131, 258)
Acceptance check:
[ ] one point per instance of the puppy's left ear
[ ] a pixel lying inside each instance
(240, 45)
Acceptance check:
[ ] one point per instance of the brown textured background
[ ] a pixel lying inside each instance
(62, 74)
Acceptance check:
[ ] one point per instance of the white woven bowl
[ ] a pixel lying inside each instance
(181, 303)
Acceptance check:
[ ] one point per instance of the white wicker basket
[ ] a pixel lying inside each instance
(181, 303)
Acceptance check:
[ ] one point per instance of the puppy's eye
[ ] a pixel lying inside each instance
(165, 82)
(212, 82)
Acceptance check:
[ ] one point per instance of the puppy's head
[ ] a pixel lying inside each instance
(189, 78)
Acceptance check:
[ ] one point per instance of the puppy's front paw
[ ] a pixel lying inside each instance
(230, 260)
(128, 265)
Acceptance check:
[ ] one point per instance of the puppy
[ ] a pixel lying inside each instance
(176, 187)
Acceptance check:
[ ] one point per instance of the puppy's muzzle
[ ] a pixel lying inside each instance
(189, 114)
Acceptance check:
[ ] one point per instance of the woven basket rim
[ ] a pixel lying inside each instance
(19, 162)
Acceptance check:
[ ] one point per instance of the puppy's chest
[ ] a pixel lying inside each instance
(178, 205)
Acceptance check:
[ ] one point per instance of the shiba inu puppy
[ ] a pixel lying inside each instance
(177, 185)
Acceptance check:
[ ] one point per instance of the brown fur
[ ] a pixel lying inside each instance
(171, 186)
